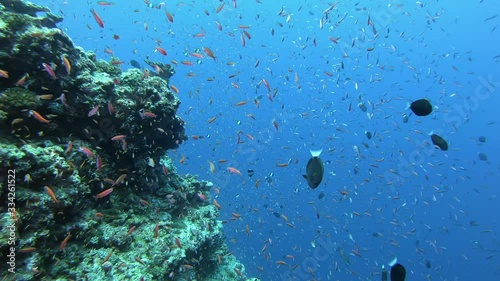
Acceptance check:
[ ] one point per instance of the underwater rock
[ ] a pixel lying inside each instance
(14, 100)
(96, 189)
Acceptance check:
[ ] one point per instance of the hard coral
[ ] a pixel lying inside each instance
(13, 100)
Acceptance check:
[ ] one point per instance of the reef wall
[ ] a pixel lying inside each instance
(86, 144)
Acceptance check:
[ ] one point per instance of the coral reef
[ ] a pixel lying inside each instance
(97, 195)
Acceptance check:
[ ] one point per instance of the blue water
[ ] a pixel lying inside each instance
(414, 202)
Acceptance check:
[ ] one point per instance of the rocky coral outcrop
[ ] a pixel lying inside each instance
(96, 193)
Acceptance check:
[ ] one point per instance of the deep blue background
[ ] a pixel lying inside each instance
(406, 190)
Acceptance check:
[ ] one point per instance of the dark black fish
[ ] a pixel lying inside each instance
(421, 107)
(321, 195)
(481, 139)
(368, 135)
(362, 106)
(439, 142)
(250, 172)
(314, 170)
(427, 264)
(482, 156)
(398, 272)
(135, 64)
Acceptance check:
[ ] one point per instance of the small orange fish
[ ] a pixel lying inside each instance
(38, 117)
(209, 52)
(51, 194)
(21, 81)
(174, 89)
(157, 229)
(144, 202)
(178, 242)
(4, 74)
(45, 97)
(219, 8)
(233, 171)
(97, 18)
(169, 17)
(216, 204)
(182, 159)
(27, 250)
(104, 193)
(212, 167)
(66, 64)
(257, 183)
(196, 55)
(118, 137)
(131, 230)
(120, 179)
(64, 242)
(199, 35)
(161, 50)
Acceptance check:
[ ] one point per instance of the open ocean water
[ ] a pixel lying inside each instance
(291, 76)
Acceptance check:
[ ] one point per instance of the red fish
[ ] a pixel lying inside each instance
(233, 170)
(266, 84)
(209, 52)
(178, 242)
(219, 26)
(111, 109)
(87, 151)
(243, 42)
(69, 147)
(147, 114)
(19, 82)
(118, 137)
(98, 163)
(4, 74)
(105, 3)
(49, 70)
(219, 8)
(174, 89)
(104, 193)
(93, 111)
(169, 16)
(38, 117)
(51, 194)
(64, 242)
(161, 50)
(97, 18)
(202, 196)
